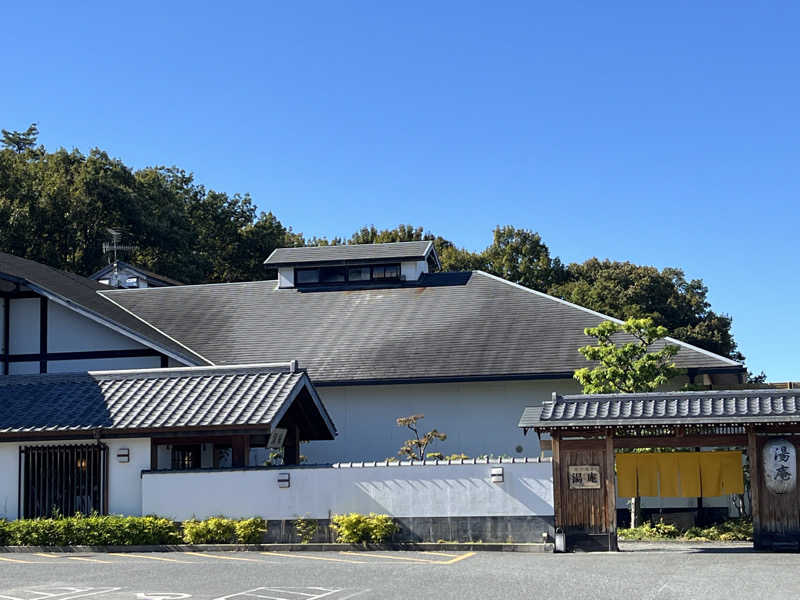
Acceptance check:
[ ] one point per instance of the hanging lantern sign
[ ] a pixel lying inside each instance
(780, 466)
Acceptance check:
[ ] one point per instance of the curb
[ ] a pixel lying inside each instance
(325, 547)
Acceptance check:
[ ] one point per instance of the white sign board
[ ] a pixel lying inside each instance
(584, 477)
(780, 466)
(276, 438)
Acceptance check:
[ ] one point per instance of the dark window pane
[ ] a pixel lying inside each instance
(358, 274)
(378, 272)
(307, 276)
(331, 274)
(392, 271)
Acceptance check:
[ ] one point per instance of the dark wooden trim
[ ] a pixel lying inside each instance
(611, 491)
(688, 441)
(755, 482)
(164, 361)
(87, 355)
(18, 295)
(557, 507)
(6, 334)
(153, 455)
(43, 334)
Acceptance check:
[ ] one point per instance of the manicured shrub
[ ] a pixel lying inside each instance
(729, 531)
(92, 530)
(355, 528)
(306, 529)
(216, 530)
(251, 531)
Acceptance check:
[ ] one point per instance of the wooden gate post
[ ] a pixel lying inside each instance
(611, 492)
(556, 479)
(755, 483)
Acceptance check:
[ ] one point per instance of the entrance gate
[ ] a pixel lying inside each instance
(587, 429)
(63, 480)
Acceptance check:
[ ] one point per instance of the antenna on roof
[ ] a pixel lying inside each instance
(115, 246)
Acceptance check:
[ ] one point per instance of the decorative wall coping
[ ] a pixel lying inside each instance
(439, 463)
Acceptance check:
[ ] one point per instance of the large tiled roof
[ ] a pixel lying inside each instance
(195, 397)
(349, 252)
(721, 407)
(108, 269)
(81, 293)
(446, 326)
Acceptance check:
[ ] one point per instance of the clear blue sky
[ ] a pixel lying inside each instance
(662, 135)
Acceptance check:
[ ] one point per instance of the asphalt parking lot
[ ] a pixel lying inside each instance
(649, 573)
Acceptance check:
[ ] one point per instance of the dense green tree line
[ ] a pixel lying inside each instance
(56, 208)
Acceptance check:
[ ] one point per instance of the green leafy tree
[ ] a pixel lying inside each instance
(415, 448)
(629, 367)
(20, 141)
(519, 255)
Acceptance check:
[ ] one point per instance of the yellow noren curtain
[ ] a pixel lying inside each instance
(647, 474)
(689, 472)
(668, 474)
(626, 475)
(710, 473)
(732, 478)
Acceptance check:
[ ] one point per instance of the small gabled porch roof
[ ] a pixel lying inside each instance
(158, 401)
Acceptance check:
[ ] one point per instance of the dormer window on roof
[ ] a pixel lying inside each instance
(353, 265)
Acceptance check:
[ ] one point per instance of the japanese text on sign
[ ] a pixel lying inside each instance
(584, 477)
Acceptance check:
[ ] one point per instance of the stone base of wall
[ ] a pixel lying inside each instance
(435, 529)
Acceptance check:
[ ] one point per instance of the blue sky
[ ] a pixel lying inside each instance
(664, 135)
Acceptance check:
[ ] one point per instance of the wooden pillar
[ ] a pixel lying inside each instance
(240, 446)
(42, 334)
(6, 333)
(611, 492)
(153, 455)
(556, 478)
(291, 446)
(755, 482)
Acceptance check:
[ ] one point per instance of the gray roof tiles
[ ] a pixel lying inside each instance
(349, 252)
(242, 396)
(668, 407)
(446, 326)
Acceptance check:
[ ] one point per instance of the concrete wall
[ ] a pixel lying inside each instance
(124, 479)
(401, 491)
(478, 418)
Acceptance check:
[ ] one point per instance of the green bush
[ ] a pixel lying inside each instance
(729, 531)
(306, 529)
(355, 528)
(216, 530)
(251, 531)
(92, 530)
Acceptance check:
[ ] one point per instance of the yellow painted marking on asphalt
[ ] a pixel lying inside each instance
(16, 560)
(206, 554)
(416, 560)
(126, 554)
(96, 560)
(440, 554)
(458, 558)
(357, 562)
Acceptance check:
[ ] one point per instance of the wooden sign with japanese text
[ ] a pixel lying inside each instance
(584, 477)
(780, 466)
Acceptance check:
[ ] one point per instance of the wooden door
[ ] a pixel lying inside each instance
(583, 508)
(777, 516)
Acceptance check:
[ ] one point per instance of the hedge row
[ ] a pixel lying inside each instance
(115, 530)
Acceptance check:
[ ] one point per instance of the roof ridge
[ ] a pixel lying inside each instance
(677, 394)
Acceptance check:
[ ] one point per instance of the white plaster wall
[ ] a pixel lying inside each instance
(124, 481)
(419, 491)
(103, 364)
(412, 269)
(24, 326)
(68, 331)
(286, 277)
(478, 418)
(23, 368)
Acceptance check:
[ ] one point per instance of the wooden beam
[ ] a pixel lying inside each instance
(688, 441)
(557, 508)
(755, 482)
(43, 334)
(611, 492)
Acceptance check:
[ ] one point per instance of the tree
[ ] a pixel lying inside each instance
(415, 448)
(630, 367)
(519, 255)
(625, 290)
(20, 141)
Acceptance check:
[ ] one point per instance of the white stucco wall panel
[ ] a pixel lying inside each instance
(423, 491)
(24, 326)
(103, 364)
(68, 331)
(124, 479)
(478, 417)
(23, 368)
